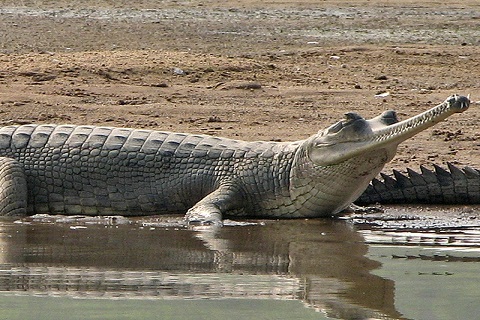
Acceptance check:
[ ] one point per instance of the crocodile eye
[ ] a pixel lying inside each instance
(336, 127)
(352, 116)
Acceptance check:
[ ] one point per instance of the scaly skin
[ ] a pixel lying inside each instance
(65, 169)
(440, 186)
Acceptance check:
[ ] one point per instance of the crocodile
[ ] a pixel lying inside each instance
(89, 170)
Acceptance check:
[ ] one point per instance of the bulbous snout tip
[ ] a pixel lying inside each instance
(458, 103)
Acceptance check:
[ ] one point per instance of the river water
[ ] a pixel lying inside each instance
(409, 263)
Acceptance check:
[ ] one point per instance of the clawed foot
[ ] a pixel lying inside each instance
(203, 216)
(353, 208)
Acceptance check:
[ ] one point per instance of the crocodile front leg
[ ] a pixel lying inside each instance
(209, 210)
(13, 188)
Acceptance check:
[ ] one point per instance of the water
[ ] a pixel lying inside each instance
(431, 283)
(118, 268)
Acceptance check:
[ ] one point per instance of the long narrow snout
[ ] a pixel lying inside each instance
(388, 133)
(401, 131)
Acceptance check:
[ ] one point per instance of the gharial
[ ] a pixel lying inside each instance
(68, 169)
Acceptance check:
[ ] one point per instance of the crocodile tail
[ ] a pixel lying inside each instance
(437, 186)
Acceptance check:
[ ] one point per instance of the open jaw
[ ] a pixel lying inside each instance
(355, 136)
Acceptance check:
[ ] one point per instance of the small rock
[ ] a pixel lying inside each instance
(214, 119)
(43, 77)
(381, 77)
(249, 85)
(194, 79)
(178, 71)
(159, 85)
(382, 94)
(237, 85)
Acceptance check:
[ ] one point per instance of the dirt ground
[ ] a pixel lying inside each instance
(275, 70)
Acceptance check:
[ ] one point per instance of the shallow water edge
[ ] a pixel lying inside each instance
(360, 266)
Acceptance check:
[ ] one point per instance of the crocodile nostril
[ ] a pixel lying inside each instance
(389, 117)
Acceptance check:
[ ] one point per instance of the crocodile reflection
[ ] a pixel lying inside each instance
(320, 262)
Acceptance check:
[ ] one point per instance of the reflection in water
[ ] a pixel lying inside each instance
(319, 262)
(432, 255)
(432, 282)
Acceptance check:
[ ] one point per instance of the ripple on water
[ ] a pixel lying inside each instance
(431, 233)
